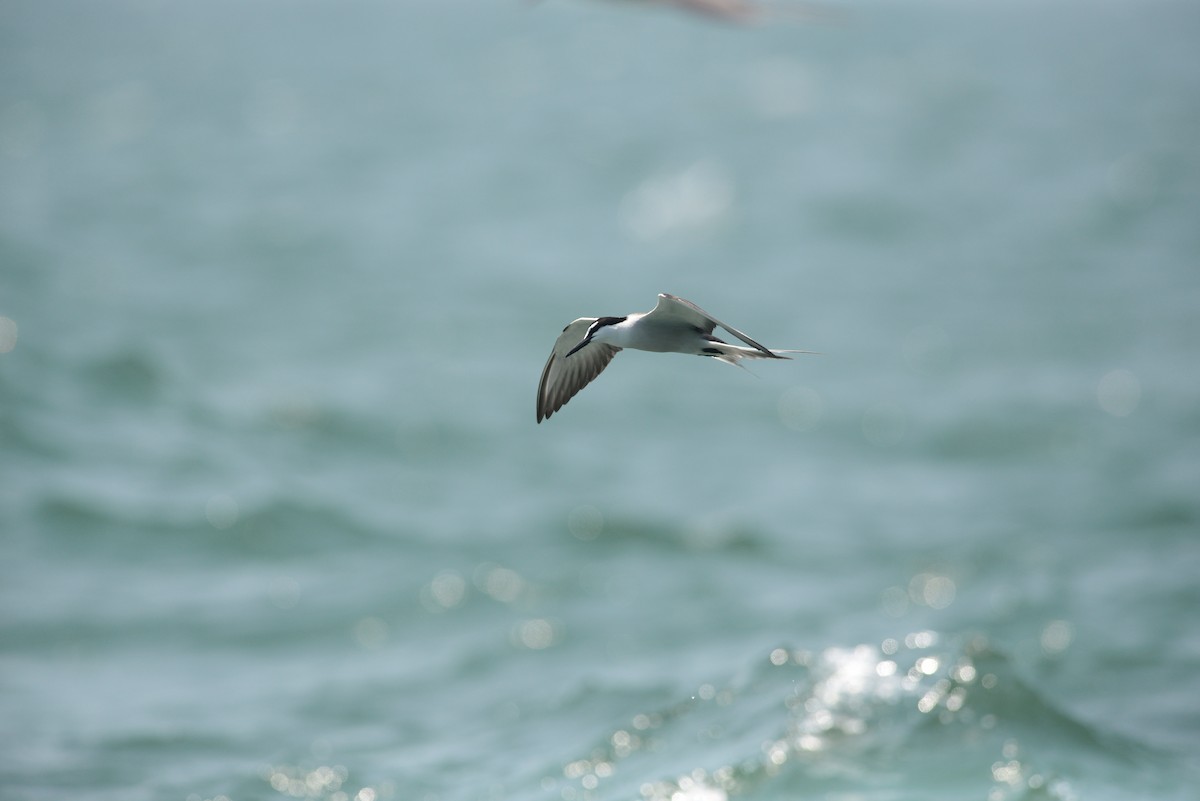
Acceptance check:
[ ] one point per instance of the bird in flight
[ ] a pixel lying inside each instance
(587, 345)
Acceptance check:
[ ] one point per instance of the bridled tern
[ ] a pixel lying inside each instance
(587, 345)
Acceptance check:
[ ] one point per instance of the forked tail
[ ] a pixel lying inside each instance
(732, 354)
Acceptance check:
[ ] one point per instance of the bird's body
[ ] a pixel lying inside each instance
(675, 325)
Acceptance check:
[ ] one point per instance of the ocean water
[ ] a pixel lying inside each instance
(278, 279)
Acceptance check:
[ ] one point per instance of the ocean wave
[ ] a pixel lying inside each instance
(219, 527)
(131, 374)
(921, 712)
(590, 525)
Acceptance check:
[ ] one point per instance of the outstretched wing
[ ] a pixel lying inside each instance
(675, 308)
(565, 375)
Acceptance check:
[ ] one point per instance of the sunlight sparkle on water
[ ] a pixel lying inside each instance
(447, 590)
(1014, 780)
(837, 695)
(920, 639)
(624, 743)
(694, 787)
(927, 665)
(934, 591)
(501, 583)
(535, 634)
(852, 671)
(323, 782)
(1056, 637)
(641, 722)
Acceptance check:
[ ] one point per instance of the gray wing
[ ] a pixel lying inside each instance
(565, 375)
(671, 307)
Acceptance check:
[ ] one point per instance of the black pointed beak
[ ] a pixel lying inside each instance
(580, 345)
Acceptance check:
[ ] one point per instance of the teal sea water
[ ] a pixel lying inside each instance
(278, 279)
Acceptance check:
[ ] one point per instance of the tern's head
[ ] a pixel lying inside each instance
(594, 329)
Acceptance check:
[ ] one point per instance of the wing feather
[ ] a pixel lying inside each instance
(676, 308)
(564, 375)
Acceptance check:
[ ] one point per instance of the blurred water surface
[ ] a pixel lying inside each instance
(277, 280)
